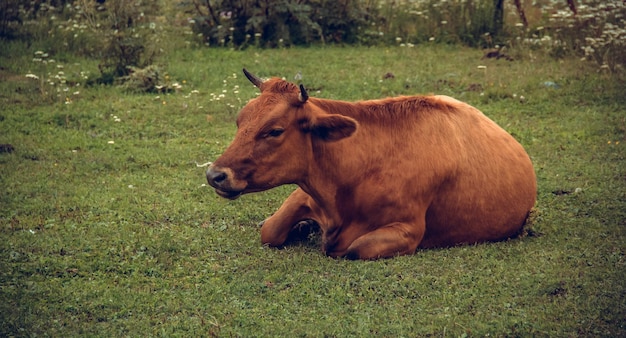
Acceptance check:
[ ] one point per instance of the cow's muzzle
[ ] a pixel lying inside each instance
(222, 180)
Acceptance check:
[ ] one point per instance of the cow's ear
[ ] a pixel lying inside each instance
(331, 127)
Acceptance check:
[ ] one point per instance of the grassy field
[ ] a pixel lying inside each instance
(108, 229)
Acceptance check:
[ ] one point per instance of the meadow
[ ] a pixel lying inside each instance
(107, 226)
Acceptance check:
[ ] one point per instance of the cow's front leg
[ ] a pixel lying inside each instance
(389, 241)
(298, 209)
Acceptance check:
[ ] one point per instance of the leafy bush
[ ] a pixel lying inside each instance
(9, 18)
(126, 31)
(150, 79)
(277, 23)
(120, 33)
(124, 34)
(297, 22)
(28, 19)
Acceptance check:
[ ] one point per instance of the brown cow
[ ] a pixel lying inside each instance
(380, 177)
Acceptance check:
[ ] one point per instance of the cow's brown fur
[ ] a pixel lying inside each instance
(380, 177)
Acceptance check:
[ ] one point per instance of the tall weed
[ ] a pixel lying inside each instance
(594, 31)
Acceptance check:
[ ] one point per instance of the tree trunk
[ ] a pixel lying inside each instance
(521, 13)
(498, 16)
(572, 6)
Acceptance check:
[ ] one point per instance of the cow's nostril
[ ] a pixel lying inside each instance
(219, 177)
(216, 177)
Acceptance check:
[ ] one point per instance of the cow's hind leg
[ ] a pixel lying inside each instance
(297, 216)
(391, 240)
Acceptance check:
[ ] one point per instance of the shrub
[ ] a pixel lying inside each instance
(595, 31)
(126, 31)
(124, 34)
(301, 22)
(10, 18)
(120, 33)
(29, 19)
(598, 32)
(150, 79)
(277, 23)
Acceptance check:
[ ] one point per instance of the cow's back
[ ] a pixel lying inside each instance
(492, 190)
(475, 181)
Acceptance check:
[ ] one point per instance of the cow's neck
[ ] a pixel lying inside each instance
(334, 166)
(324, 193)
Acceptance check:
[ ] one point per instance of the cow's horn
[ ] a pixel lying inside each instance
(303, 94)
(253, 78)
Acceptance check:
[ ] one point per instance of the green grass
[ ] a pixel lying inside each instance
(101, 239)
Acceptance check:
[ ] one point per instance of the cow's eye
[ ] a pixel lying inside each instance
(275, 132)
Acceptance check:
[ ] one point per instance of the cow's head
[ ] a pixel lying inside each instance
(273, 144)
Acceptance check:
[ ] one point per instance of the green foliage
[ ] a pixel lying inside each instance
(598, 32)
(290, 22)
(277, 23)
(127, 35)
(121, 34)
(9, 18)
(463, 22)
(595, 31)
(16, 14)
(53, 79)
(107, 227)
(125, 30)
(149, 79)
